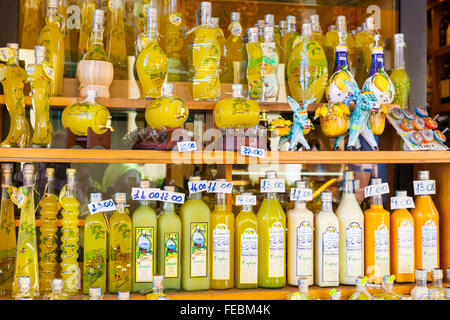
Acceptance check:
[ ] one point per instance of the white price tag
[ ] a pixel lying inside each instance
(253, 152)
(376, 190)
(402, 203)
(197, 186)
(157, 194)
(186, 146)
(245, 199)
(424, 187)
(301, 194)
(102, 206)
(210, 186)
(272, 185)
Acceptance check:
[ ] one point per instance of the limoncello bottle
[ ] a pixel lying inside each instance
(120, 246)
(95, 248)
(27, 250)
(144, 239)
(32, 21)
(52, 38)
(287, 40)
(269, 68)
(95, 48)
(151, 62)
(169, 245)
(271, 241)
(399, 76)
(116, 49)
(13, 80)
(40, 76)
(87, 14)
(317, 33)
(236, 57)
(246, 249)
(307, 70)
(70, 270)
(361, 292)
(48, 239)
(338, 36)
(282, 25)
(388, 289)
(7, 232)
(195, 219)
(57, 291)
(269, 21)
(365, 43)
(255, 61)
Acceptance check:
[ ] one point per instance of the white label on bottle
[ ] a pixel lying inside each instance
(272, 185)
(381, 251)
(353, 242)
(276, 250)
(376, 190)
(330, 255)
(405, 248)
(245, 199)
(304, 249)
(236, 28)
(48, 70)
(249, 257)
(402, 203)
(429, 245)
(6, 54)
(102, 206)
(253, 152)
(221, 253)
(301, 194)
(424, 187)
(199, 249)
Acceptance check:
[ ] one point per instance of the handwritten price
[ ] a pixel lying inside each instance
(245, 200)
(424, 187)
(253, 152)
(402, 203)
(102, 206)
(376, 190)
(210, 186)
(186, 146)
(157, 194)
(272, 185)
(301, 194)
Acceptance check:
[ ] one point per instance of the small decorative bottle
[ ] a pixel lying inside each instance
(24, 289)
(173, 41)
(287, 40)
(317, 34)
(57, 291)
(399, 76)
(236, 58)
(115, 39)
(255, 61)
(269, 68)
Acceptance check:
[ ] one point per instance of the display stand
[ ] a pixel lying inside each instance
(90, 141)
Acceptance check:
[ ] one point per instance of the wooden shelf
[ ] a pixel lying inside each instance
(441, 107)
(441, 52)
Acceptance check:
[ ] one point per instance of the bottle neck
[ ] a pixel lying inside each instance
(28, 181)
(50, 185)
(169, 207)
(399, 60)
(97, 36)
(246, 208)
(272, 195)
(121, 207)
(253, 37)
(327, 206)
(349, 187)
(52, 15)
(221, 200)
(195, 196)
(71, 187)
(377, 61)
(341, 58)
(377, 200)
(152, 29)
(291, 27)
(436, 283)
(300, 204)
(173, 6)
(143, 203)
(421, 282)
(206, 19)
(6, 179)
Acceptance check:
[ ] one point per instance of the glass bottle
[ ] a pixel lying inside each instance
(271, 224)
(307, 70)
(287, 39)
(254, 65)
(70, 270)
(13, 82)
(151, 62)
(24, 289)
(260, 26)
(87, 14)
(236, 57)
(7, 232)
(388, 289)
(269, 21)
(95, 49)
(317, 33)
(95, 248)
(420, 291)
(115, 40)
(120, 246)
(365, 43)
(48, 239)
(437, 275)
(52, 38)
(269, 68)
(399, 76)
(336, 37)
(434, 294)
(57, 291)
(158, 289)
(32, 21)
(303, 290)
(39, 76)
(283, 29)
(27, 250)
(361, 292)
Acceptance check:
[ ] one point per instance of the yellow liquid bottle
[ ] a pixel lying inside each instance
(70, 270)
(195, 219)
(151, 62)
(269, 68)
(120, 246)
(399, 76)
(236, 57)
(254, 65)
(27, 250)
(48, 238)
(287, 40)
(32, 21)
(39, 76)
(57, 291)
(7, 232)
(361, 292)
(271, 241)
(303, 291)
(365, 43)
(13, 79)
(96, 49)
(269, 21)
(95, 249)
(317, 33)
(52, 38)
(388, 289)
(116, 48)
(87, 14)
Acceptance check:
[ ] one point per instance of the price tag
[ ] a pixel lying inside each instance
(301, 194)
(402, 203)
(245, 200)
(212, 186)
(186, 146)
(376, 190)
(197, 186)
(424, 187)
(157, 195)
(253, 152)
(173, 197)
(272, 185)
(101, 206)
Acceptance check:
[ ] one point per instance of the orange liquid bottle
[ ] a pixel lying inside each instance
(426, 231)
(376, 239)
(402, 243)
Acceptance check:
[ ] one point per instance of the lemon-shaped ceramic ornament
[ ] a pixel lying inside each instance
(336, 91)
(381, 86)
(334, 119)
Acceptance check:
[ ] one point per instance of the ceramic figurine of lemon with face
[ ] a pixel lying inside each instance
(334, 119)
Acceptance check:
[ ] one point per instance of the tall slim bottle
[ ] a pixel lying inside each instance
(269, 67)
(196, 219)
(376, 239)
(255, 61)
(426, 231)
(87, 14)
(236, 57)
(271, 241)
(317, 33)
(32, 20)
(287, 39)
(222, 244)
(144, 226)
(351, 236)
(95, 47)
(337, 36)
(402, 243)
(115, 39)
(173, 42)
(327, 244)
(399, 76)
(300, 228)
(365, 43)
(52, 38)
(27, 250)
(269, 21)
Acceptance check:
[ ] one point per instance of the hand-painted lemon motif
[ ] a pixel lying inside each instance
(381, 85)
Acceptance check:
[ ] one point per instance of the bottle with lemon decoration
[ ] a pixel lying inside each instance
(87, 14)
(269, 21)
(115, 39)
(269, 68)
(236, 58)
(399, 76)
(307, 70)
(254, 65)
(287, 39)
(95, 48)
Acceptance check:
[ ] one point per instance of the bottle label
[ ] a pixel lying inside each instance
(175, 18)
(429, 245)
(199, 250)
(381, 251)
(144, 254)
(405, 248)
(7, 55)
(353, 242)
(236, 29)
(269, 71)
(330, 254)
(276, 250)
(304, 249)
(171, 247)
(249, 257)
(221, 253)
